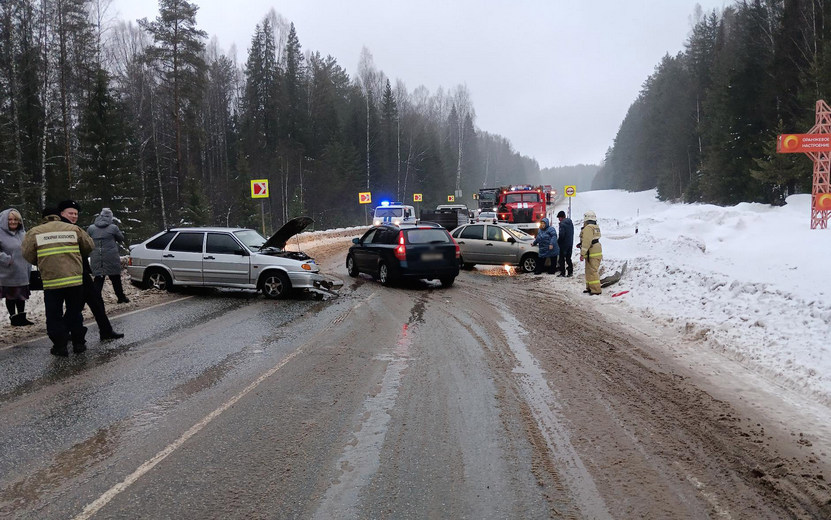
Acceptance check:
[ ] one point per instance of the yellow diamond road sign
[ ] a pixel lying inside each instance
(259, 189)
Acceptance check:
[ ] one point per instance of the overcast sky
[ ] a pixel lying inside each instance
(554, 77)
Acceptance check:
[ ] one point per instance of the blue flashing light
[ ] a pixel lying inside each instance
(385, 203)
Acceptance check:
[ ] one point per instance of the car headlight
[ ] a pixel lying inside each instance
(376, 222)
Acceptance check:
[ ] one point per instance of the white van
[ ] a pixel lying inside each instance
(393, 213)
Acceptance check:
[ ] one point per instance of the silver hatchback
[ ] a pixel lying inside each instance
(494, 244)
(226, 257)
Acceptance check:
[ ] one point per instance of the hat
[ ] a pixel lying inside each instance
(49, 210)
(561, 214)
(589, 215)
(62, 205)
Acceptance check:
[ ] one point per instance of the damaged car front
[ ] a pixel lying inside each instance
(227, 257)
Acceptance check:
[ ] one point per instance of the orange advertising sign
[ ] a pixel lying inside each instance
(803, 143)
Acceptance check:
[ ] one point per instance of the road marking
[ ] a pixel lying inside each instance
(543, 404)
(148, 465)
(90, 321)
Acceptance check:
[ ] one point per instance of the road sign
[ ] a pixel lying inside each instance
(451, 198)
(259, 189)
(364, 197)
(570, 191)
(416, 197)
(803, 143)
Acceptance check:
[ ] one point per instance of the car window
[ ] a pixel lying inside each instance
(222, 243)
(369, 235)
(388, 212)
(496, 233)
(188, 242)
(519, 234)
(458, 232)
(427, 236)
(473, 232)
(250, 238)
(160, 242)
(385, 236)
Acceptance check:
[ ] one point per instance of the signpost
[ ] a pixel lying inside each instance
(365, 197)
(259, 190)
(570, 192)
(451, 198)
(816, 144)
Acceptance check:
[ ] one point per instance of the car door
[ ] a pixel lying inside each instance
(225, 261)
(184, 257)
(362, 254)
(498, 249)
(472, 243)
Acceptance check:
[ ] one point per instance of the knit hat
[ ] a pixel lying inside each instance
(561, 214)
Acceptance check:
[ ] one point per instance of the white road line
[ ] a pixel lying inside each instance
(95, 506)
(110, 317)
(110, 494)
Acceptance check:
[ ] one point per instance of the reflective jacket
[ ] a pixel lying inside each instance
(58, 248)
(590, 240)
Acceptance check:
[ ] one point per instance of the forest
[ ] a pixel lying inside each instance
(704, 126)
(154, 121)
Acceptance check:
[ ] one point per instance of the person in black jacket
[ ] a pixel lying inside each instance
(92, 298)
(565, 240)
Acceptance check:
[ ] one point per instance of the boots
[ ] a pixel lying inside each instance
(23, 320)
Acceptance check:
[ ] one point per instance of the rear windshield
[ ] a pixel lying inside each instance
(388, 212)
(428, 236)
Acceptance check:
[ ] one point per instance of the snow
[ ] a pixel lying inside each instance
(751, 281)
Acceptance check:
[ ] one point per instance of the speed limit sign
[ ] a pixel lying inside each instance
(570, 191)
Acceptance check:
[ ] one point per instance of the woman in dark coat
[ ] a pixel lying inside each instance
(105, 260)
(14, 269)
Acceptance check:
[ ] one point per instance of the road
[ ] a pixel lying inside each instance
(490, 399)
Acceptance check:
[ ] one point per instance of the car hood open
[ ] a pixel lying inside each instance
(289, 229)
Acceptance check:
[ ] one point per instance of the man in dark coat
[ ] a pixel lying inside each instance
(92, 298)
(565, 241)
(549, 250)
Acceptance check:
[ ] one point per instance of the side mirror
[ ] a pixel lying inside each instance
(356, 240)
(512, 240)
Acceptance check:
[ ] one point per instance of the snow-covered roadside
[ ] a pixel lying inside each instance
(750, 281)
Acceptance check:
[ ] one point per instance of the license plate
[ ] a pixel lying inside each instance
(431, 257)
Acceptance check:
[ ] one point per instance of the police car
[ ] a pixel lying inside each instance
(394, 213)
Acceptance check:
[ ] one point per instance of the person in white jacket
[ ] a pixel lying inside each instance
(14, 269)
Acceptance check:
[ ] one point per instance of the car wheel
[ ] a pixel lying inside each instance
(384, 274)
(464, 265)
(447, 281)
(351, 268)
(158, 279)
(528, 263)
(275, 285)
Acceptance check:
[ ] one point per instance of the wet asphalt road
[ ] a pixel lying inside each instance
(407, 402)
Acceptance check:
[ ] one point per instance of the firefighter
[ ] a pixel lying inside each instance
(58, 249)
(591, 252)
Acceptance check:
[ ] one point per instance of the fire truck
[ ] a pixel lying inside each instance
(521, 205)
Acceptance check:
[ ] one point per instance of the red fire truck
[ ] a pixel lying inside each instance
(523, 205)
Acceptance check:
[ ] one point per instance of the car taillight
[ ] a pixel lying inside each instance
(400, 250)
(458, 253)
(129, 260)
